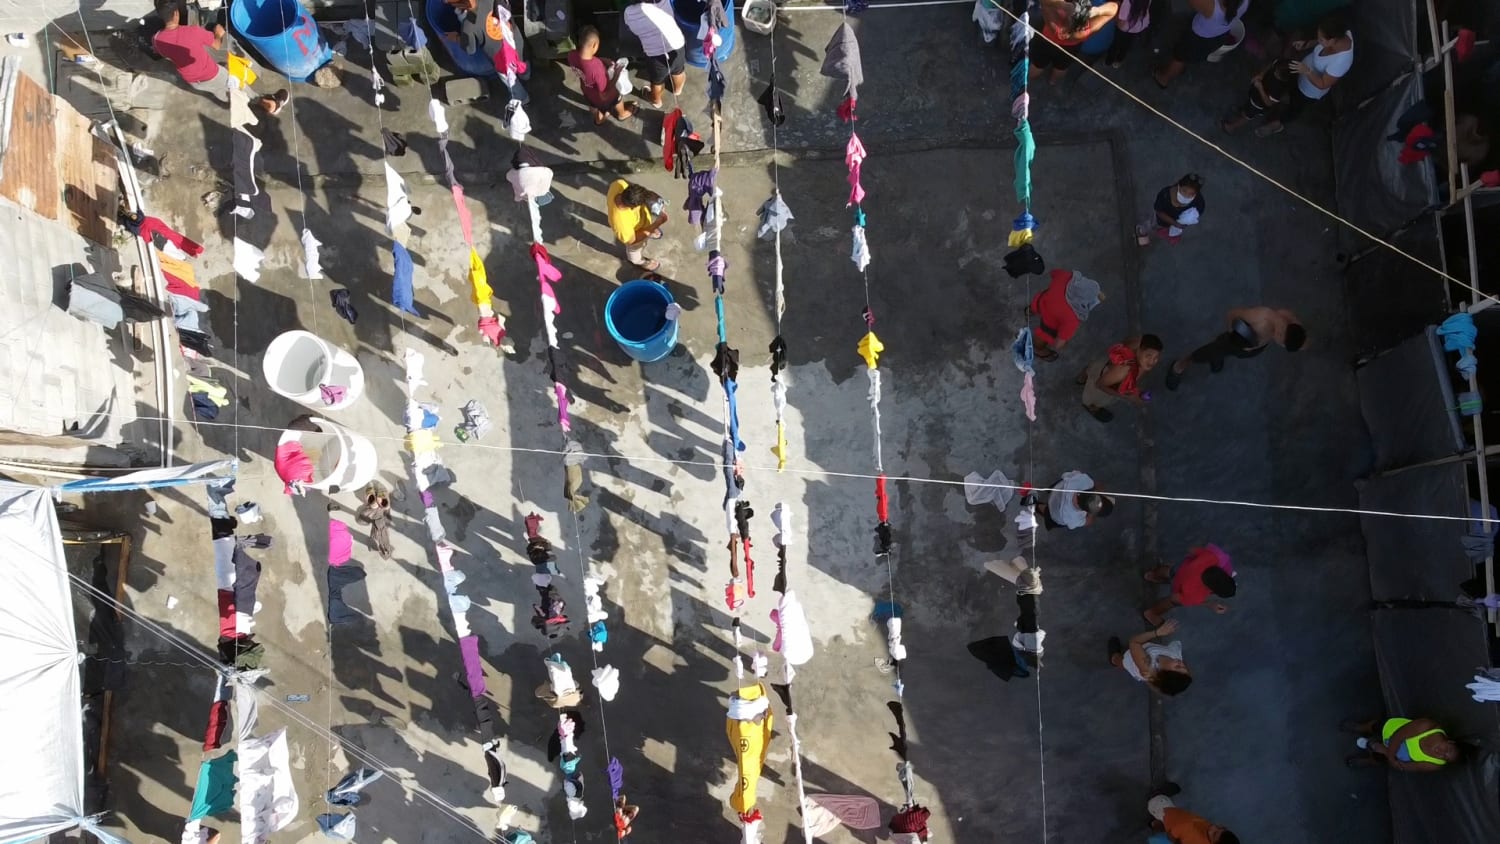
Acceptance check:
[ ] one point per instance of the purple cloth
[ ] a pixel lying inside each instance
(331, 395)
(473, 667)
(427, 498)
(616, 777)
(700, 193)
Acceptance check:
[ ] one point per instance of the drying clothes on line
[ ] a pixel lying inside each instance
(268, 801)
(869, 349)
(841, 59)
(398, 207)
(979, 490)
(214, 793)
(770, 100)
(337, 827)
(860, 254)
(853, 811)
(340, 543)
(679, 144)
(347, 791)
(339, 579)
(911, 821)
(748, 725)
(339, 298)
(1458, 333)
(549, 615)
(577, 499)
(247, 259)
(246, 579)
(312, 267)
(1025, 154)
(218, 722)
(181, 279)
(1024, 261)
(495, 769)
(242, 652)
(774, 217)
(150, 228)
(394, 142)
(560, 690)
(517, 122)
(401, 279)
(699, 204)
(793, 638)
(186, 311)
(607, 682)
(991, 21)
(473, 665)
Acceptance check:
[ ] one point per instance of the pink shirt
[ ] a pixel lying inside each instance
(187, 48)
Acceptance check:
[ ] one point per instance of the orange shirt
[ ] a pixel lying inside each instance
(1184, 827)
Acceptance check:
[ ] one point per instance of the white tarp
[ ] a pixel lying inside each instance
(41, 717)
(155, 478)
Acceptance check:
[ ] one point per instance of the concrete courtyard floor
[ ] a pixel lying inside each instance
(1071, 753)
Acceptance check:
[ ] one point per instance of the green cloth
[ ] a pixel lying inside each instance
(214, 794)
(1025, 152)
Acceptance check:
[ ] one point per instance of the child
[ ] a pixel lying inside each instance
(1268, 90)
(598, 79)
(1177, 206)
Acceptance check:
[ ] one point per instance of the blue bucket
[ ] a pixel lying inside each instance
(689, 14)
(636, 316)
(283, 33)
(444, 19)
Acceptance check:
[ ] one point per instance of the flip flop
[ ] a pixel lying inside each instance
(1115, 647)
(651, 266)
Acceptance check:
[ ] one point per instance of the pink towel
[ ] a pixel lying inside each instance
(562, 407)
(293, 464)
(465, 222)
(1028, 395)
(473, 666)
(854, 811)
(340, 543)
(545, 271)
(854, 153)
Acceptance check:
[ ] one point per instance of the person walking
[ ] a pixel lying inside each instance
(654, 23)
(598, 79)
(1269, 90)
(1181, 826)
(1060, 309)
(1073, 503)
(1177, 206)
(1317, 72)
(1212, 20)
(1418, 745)
(186, 47)
(635, 214)
(1116, 376)
(1250, 331)
(1159, 666)
(1203, 572)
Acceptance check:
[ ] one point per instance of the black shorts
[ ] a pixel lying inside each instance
(1045, 54)
(1192, 47)
(659, 68)
(1228, 344)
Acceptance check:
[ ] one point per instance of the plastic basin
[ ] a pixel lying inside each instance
(636, 317)
(284, 35)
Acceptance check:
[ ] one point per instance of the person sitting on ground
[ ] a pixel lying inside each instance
(1073, 503)
(1116, 376)
(186, 47)
(1204, 571)
(1250, 331)
(655, 24)
(1418, 746)
(1060, 309)
(635, 214)
(1180, 825)
(1158, 666)
(597, 78)
(1319, 70)
(1177, 206)
(1268, 91)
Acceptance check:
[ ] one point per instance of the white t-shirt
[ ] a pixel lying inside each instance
(1337, 64)
(1154, 655)
(656, 26)
(1060, 504)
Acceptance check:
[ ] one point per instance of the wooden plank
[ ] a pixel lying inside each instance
(88, 191)
(30, 178)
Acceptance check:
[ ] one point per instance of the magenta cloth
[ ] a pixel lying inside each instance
(473, 667)
(562, 407)
(545, 271)
(1028, 395)
(331, 395)
(549, 299)
(854, 153)
(293, 464)
(340, 543)
(856, 191)
(490, 327)
(427, 498)
(1222, 556)
(507, 60)
(852, 810)
(465, 221)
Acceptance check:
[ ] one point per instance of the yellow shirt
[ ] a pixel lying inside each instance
(628, 223)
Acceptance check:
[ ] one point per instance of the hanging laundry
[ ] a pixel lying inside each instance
(1025, 153)
(246, 187)
(726, 362)
(339, 579)
(561, 690)
(398, 207)
(218, 721)
(268, 801)
(861, 252)
(793, 638)
(774, 217)
(1028, 394)
(341, 302)
(492, 330)
(573, 493)
(699, 204)
(394, 142)
(247, 260)
(770, 100)
(517, 123)
(991, 23)
(401, 280)
(214, 793)
(1024, 261)
(337, 827)
(347, 791)
(717, 267)
(748, 725)
(150, 228)
(841, 59)
(468, 646)
(312, 268)
(607, 682)
(545, 270)
(870, 348)
(679, 144)
(994, 490)
(479, 284)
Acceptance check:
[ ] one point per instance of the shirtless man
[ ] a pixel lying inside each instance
(1250, 331)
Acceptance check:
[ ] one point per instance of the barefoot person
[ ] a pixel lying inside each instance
(1205, 571)
(1250, 331)
(598, 79)
(635, 214)
(186, 47)
(1116, 376)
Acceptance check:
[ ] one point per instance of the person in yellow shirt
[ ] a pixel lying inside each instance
(635, 214)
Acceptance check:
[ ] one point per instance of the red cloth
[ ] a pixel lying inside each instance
(1122, 355)
(749, 568)
(1187, 582)
(1409, 153)
(490, 327)
(180, 287)
(1490, 178)
(152, 226)
(882, 504)
(1052, 308)
(846, 110)
(1464, 46)
(293, 464)
(669, 138)
(218, 721)
(186, 47)
(913, 819)
(544, 268)
(226, 614)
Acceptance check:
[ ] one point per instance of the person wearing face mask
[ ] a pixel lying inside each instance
(1177, 206)
(1116, 376)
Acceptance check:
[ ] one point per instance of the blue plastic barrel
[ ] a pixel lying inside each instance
(689, 15)
(284, 35)
(444, 20)
(636, 316)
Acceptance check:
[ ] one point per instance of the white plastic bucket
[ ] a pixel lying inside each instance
(298, 362)
(340, 457)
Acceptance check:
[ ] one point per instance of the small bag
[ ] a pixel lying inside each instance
(622, 78)
(240, 68)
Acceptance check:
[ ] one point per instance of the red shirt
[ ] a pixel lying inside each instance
(1052, 308)
(187, 48)
(597, 88)
(1187, 583)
